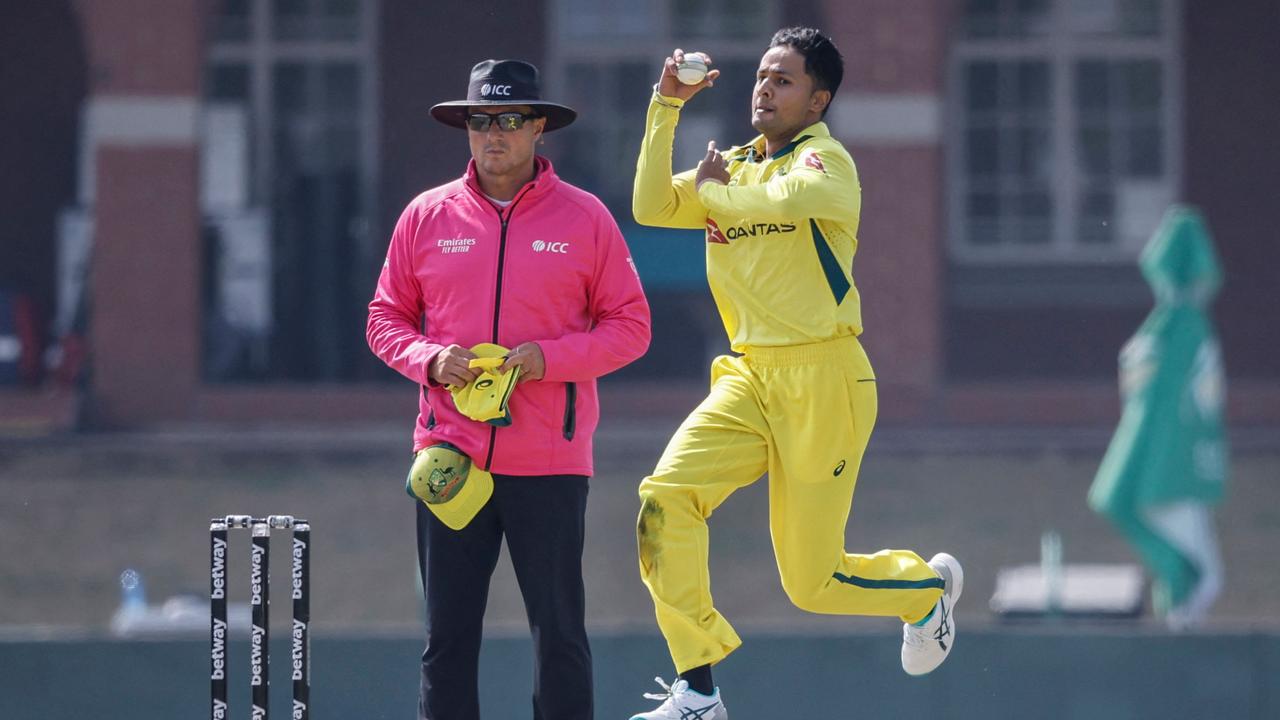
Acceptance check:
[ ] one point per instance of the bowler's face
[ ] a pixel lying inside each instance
(783, 98)
(500, 153)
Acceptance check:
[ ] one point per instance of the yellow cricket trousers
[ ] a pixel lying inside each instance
(803, 413)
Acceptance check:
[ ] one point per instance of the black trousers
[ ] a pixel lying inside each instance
(543, 519)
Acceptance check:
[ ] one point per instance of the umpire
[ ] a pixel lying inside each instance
(506, 255)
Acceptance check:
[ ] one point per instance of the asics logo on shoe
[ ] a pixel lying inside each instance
(944, 625)
(697, 713)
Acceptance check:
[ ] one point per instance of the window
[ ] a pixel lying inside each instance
(289, 182)
(1066, 137)
(605, 57)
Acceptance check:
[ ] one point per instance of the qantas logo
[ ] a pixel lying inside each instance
(754, 229)
(713, 233)
(812, 160)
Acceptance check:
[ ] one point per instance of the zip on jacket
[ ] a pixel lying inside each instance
(570, 410)
(559, 275)
(497, 297)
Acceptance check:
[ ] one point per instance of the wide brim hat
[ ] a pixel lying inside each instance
(451, 486)
(503, 82)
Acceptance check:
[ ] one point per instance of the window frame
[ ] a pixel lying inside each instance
(1062, 50)
(262, 53)
(258, 52)
(565, 49)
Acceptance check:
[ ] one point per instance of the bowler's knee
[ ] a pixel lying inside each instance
(804, 590)
(805, 599)
(649, 529)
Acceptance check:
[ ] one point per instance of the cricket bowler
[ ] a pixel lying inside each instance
(797, 399)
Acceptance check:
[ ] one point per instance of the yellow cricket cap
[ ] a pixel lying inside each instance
(451, 486)
(485, 398)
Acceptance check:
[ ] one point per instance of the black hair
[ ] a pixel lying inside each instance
(822, 60)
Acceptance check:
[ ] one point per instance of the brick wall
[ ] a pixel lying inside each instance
(145, 59)
(888, 115)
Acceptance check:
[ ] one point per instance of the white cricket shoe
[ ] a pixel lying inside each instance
(925, 647)
(680, 702)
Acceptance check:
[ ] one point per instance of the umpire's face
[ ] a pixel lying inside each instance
(505, 147)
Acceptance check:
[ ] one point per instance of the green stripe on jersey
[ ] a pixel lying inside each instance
(830, 266)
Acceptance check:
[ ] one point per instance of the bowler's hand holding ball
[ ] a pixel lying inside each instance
(693, 69)
(685, 74)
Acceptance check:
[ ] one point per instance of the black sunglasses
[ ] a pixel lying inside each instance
(507, 121)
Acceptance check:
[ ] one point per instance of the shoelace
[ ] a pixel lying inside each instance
(671, 705)
(668, 692)
(915, 636)
(918, 636)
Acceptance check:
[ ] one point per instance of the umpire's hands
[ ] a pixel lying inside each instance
(528, 357)
(449, 367)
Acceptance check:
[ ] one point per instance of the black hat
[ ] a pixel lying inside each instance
(503, 82)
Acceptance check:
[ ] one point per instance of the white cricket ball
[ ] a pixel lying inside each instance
(693, 70)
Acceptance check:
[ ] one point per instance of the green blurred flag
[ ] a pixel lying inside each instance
(1166, 466)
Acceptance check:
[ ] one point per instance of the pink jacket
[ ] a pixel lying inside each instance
(551, 268)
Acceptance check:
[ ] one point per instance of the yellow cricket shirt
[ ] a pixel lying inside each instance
(780, 236)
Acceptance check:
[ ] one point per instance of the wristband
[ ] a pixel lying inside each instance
(658, 98)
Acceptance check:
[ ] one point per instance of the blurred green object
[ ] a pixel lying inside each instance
(1166, 466)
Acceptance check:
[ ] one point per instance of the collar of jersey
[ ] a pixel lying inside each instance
(543, 180)
(743, 152)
